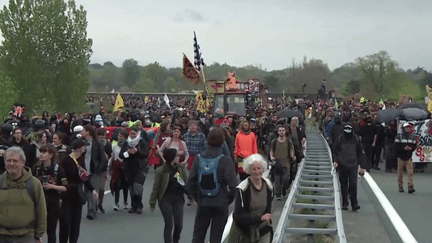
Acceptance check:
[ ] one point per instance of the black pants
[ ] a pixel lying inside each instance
(391, 160)
(171, 207)
(136, 187)
(217, 216)
(70, 221)
(348, 182)
(53, 214)
(376, 155)
(120, 184)
(368, 149)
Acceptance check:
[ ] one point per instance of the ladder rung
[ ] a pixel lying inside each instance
(315, 231)
(318, 167)
(314, 206)
(317, 176)
(317, 171)
(316, 182)
(316, 163)
(314, 189)
(314, 197)
(312, 217)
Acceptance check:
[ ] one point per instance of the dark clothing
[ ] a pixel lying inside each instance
(98, 160)
(212, 209)
(367, 133)
(390, 135)
(62, 152)
(171, 207)
(242, 215)
(25, 147)
(135, 169)
(336, 131)
(205, 215)
(402, 140)
(348, 152)
(70, 221)
(348, 182)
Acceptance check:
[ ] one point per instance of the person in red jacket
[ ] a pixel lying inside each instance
(245, 145)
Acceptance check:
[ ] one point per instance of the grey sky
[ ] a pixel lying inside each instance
(271, 33)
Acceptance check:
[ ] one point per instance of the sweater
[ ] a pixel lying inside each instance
(245, 145)
(19, 215)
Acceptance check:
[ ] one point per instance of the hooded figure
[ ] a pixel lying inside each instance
(347, 156)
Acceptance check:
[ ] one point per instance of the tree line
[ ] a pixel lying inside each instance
(373, 76)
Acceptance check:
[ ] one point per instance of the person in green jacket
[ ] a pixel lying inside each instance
(168, 190)
(23, 213)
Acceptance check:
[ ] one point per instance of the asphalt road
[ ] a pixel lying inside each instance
(122, 227)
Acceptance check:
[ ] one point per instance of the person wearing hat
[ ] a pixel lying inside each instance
(72, 202)
(405, 144)
(168, 190)
(347, 156)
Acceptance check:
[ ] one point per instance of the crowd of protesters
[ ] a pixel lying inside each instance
(74, 154)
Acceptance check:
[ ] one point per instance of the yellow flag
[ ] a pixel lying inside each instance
(119, 103)
(201, 104)
(362, 99)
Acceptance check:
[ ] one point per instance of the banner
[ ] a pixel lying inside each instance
(422, 131)
(189, 72)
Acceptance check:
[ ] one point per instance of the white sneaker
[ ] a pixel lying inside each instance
(126, 206)
(116, 207)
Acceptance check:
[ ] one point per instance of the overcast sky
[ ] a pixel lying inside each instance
(271, 33)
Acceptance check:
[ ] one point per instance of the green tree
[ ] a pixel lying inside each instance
(272, 81)
(157, 73)
(375, 67)
(351, 87)
(9, 95)
(130, 72)
(46, 52)
(144, 84)
(171, 85)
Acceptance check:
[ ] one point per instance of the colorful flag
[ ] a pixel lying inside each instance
(199, 61)
(119, 104)
(336, 104)
(189, 72)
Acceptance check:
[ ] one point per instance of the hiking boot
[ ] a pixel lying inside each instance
(401, 189)
(355, 207)
(411, 189)
(132, 210)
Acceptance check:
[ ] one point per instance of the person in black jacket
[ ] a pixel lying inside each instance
(71, 207)
(347, 156)
(134, 153)
(405, 144)
(253, 204)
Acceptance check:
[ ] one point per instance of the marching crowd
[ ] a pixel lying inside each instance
(212, 160)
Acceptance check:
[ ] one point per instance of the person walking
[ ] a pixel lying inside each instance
(75, 197)
(118, 180)
(282, 154)
(95, 161)
(252, 211)
(405, 144)
(168, 190)
(176, 142)
(195, 142)
(213, 190)
(53, 179)
(347, 156)
(245, 145)
(22, 202)
(134, 154)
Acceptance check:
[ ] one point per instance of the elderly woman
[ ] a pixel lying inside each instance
(252, 212)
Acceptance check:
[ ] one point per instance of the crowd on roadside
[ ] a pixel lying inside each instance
(73, 154)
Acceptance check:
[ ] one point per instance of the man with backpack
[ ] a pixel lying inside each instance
(212, 183)
(23, 212)
(282, 155)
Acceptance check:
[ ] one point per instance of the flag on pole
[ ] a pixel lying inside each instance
(167, 101)
(119, 104)
(189, 71)
(199, 61)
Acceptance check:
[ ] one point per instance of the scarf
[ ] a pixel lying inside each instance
(133, 142)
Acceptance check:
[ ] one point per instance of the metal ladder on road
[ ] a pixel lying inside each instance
(312, 212)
